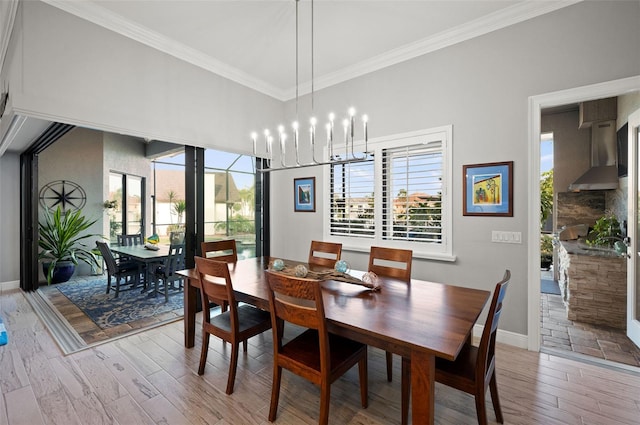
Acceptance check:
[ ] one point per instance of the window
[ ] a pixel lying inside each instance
(127, 215)
(396, 197)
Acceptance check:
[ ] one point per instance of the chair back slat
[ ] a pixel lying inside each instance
(224, 250)
(130, 240)
(296, 300)
(391, 262)
(324, 254)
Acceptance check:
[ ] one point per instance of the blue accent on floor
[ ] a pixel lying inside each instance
(3, 334)
(549, 287)
(106, 311)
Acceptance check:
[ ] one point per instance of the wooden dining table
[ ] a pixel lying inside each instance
(420, 320)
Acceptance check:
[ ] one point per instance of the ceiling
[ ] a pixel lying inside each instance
(254, 42)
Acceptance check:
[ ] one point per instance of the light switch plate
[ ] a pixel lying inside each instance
(500, 236)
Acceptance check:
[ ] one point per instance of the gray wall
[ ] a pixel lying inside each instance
(77, 157)
(480, 86)
(9, 218)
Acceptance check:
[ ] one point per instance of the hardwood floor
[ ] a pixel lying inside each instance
(150, 378)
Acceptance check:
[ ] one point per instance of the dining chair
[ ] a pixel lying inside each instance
(324, 254)
(239, 323)
(166, 273)
(315, 354)
(394, 263)
(176, 237)
(130, 240)
(475, 367)
(117, 269)
(224, 250)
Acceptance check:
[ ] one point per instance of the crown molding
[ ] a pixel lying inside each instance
(503, 18)
(116, 23)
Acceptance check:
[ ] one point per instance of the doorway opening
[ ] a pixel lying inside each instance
(561, 330)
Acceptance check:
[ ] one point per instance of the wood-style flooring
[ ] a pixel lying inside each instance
(150, 378)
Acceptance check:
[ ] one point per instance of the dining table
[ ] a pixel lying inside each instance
(144, 256)
(418, 320)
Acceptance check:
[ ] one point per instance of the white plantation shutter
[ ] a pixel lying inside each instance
(397, 198)
(412, 193)
(352, 199)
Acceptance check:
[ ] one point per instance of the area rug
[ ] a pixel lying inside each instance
(549, 287)
(106, 311)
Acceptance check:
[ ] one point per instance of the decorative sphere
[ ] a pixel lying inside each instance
(278, 265)
(342, 266)
(301, 271)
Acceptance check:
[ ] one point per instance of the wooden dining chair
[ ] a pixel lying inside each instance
(475, 367)
(166, 273)
(324, 254)
(224, 250)
(394, 263)
(236, 325)
(120, 271)
(315, 354)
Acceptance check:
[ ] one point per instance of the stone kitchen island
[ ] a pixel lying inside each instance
(593, 284)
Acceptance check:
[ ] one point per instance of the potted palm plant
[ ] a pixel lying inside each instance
(60, 239)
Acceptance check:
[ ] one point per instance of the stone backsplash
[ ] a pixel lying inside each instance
(579, 207)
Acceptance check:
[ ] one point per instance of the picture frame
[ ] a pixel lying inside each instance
(488, 189)
(304, 194)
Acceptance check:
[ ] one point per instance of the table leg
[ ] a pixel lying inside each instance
(190, 297)
(423, 373)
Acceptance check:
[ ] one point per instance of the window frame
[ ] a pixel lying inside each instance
(442, 251)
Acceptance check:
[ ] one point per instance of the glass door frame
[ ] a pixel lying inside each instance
(633, 256)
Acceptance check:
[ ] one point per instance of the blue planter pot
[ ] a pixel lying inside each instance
(62, 273)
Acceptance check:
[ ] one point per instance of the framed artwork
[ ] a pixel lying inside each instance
(304, 194)
(488, 189)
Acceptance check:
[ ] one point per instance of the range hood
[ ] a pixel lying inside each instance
(603, 174)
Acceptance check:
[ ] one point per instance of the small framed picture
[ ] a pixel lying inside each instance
(304, 194)
(488, 189)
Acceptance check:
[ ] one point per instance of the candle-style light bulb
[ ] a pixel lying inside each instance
(365, 120)
(254, 137)
(352, 115)
(345, 125)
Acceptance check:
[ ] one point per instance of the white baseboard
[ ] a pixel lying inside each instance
(6, 286)
(505, 337)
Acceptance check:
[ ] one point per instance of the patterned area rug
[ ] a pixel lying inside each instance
(107, 311)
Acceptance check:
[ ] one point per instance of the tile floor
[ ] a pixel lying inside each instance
(601, 342)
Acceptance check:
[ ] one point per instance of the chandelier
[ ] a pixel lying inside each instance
(348, 132)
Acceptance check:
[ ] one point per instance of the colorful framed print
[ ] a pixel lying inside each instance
(304, 194)
(488, 189)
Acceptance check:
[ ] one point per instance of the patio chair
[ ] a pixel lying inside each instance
(166, 273)
(118, 270)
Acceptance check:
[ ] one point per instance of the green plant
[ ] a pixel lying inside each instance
(60, 236)
(546, 196)
(605, 231)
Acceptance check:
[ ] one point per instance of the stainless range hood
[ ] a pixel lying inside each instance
(603, 174)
